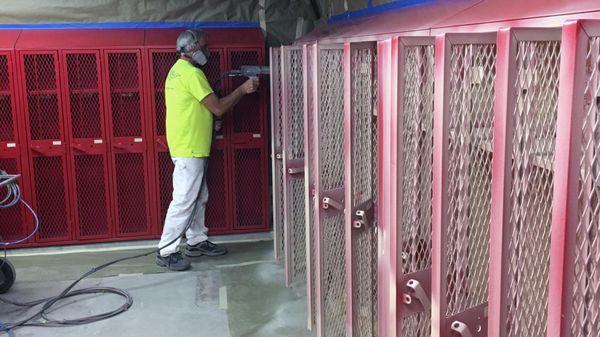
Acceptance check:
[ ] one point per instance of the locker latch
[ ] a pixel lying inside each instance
(360, 219)
(328, 202)
(279, 156)
(461, 329)
(415, 289)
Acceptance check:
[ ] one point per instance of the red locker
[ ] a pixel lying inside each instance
(13, 225)
(248, 154)
(127, 123)
(46, 136)
(86, 130)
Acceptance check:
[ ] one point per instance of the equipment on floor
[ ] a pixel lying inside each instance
(40, 317)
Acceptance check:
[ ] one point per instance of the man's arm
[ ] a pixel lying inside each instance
(220, 106)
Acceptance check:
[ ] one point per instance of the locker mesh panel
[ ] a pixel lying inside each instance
(418, 158)
(212, 69)
(82, 71)
(50, 197)
(298, 229)
(91, 195)
(416, 180)
(295, 150)
(364, 189)
(333, 276)
(416, 325)
(131, 193)
(586, 289)
(278, 143)
(11, 222)
(42, 96)
(216, 208)
(246, 114)
(125, 95)
(248, 188)
(331, 175)
(471, 118)
(84, 97)
(331, 126)
(161, 64)
(309, 158)
(534, 137)
(6, 113)
(165, 177)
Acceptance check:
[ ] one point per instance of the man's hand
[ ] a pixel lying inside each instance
(250, 85)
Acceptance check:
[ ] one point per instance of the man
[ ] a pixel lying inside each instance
(191, 104)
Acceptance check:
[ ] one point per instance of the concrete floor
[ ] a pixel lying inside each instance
(241, 294)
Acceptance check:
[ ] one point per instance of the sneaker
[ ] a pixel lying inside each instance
(175, 262)
(205, 248)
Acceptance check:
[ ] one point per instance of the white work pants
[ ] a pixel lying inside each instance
(189, 188)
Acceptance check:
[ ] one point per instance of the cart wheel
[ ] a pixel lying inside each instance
(7, 275)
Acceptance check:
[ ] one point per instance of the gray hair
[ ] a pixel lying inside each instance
(188, 40)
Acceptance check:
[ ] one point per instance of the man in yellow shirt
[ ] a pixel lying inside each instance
(191, 104)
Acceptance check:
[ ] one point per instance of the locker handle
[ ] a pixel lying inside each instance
(360, 219)
(121, 146)
(79, 148)
(296, 170)
(38, 149)
(416, 290)
(161, 143)
(461, 328)
(328, 202)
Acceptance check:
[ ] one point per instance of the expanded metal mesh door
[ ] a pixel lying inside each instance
(46, 142)
(293, 162)
(12, 225)
(89, 160)
(471, 120)
(363, 188)
(248, 150)
(247, 116)
(537, 68)
(308, 52)
(463, 138)
(331, 305)
(219, 208)
(276, 152)
(161, 62)
(415, 180)
(129, 163)
(585, 288)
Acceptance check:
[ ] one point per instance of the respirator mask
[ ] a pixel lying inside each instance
(200, 57)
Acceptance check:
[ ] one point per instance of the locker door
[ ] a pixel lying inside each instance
(523, 181)
(574, 285)
(293, 165)
(361, 161)
(246, 124)
(330, 230)
(464, 88)
(47, 150)
(86, 132)
(13, 223)
(276, 152)
(413, 190)
(129, 156)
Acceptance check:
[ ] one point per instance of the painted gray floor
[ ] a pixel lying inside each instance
(237, 295)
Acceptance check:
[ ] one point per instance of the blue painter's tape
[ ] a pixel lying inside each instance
(141, 25)
(371, 10)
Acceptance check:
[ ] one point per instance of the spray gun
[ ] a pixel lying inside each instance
(246, 71)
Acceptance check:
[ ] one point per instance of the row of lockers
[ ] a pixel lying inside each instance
(86, 130)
